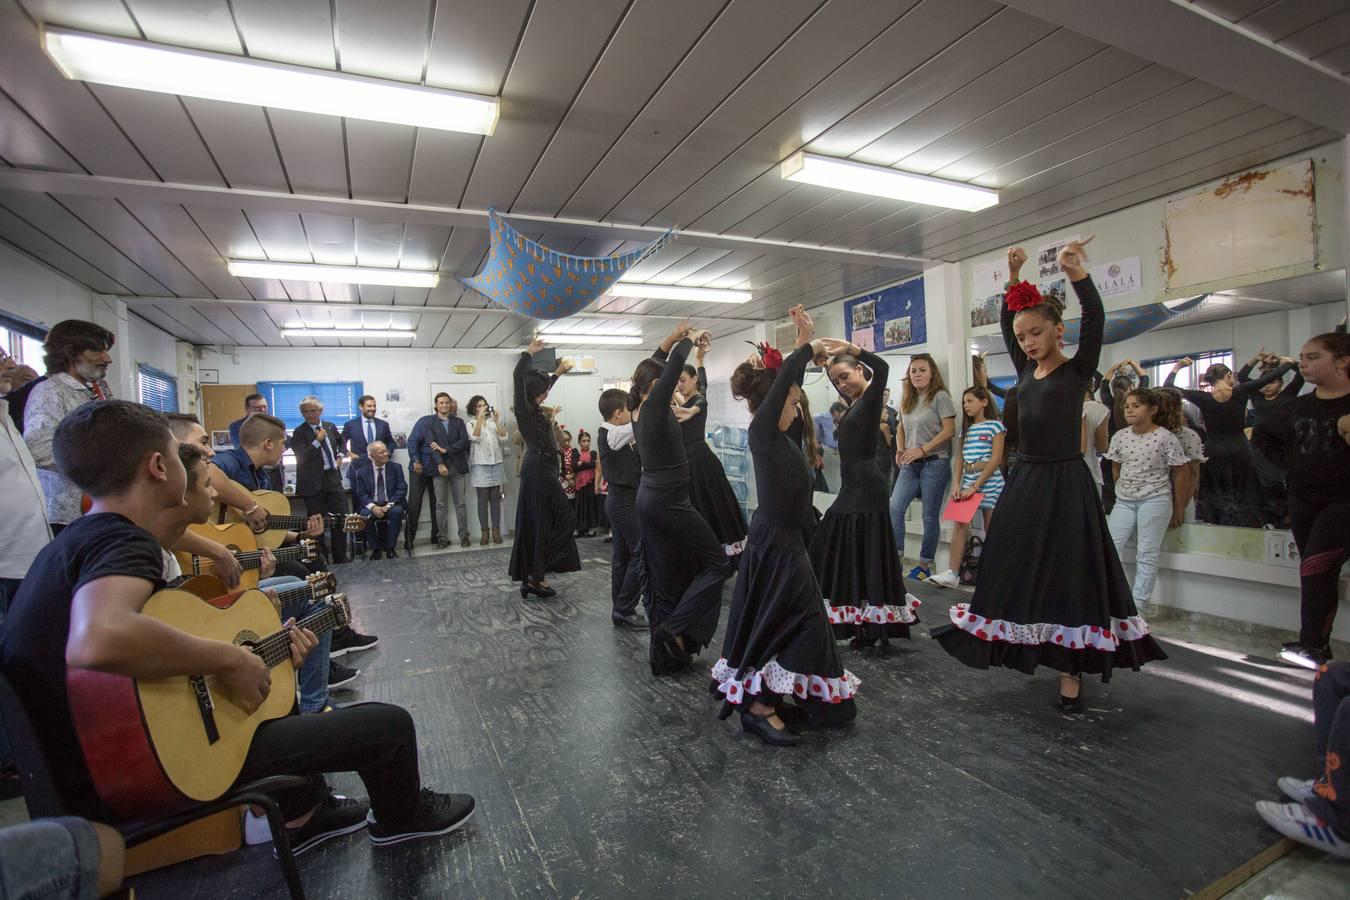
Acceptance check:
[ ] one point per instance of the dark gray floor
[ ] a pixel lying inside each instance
(595, 779)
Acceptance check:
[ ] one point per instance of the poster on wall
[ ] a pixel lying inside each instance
(1117, 279)
(1056, 290)
(888, 319)
(1047, 258)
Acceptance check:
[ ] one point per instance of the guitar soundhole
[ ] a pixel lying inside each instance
(249, 639)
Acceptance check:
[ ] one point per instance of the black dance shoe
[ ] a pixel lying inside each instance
(526, 589)
(635, 621)
(1072, 704)
(761, 727)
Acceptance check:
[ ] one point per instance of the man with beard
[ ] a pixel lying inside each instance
(77, 360)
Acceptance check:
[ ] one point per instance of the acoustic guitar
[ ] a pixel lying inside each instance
(280, 520)
(243, 543)
(211, 589)
(153, 746)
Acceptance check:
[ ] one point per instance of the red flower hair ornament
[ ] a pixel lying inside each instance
(1022, 295)
(769, 358)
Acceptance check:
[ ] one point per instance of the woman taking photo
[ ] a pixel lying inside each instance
(1309, 437)
(1061, 600)
(544, 519)
(923, 452)
(485, 467)
(778, 643)
(709, 491)
(685, 563)
(854, 551)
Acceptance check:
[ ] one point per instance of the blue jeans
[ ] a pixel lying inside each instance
(928, 478)
(1151, 518)
(50, 859)
(313, 675)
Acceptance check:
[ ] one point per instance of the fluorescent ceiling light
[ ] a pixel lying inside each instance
(614, 340)
(880, 181)
(675, 292)
(144, 66)
(256, 268)
(380, 333)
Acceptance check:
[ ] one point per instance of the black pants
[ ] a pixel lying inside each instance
(417, 485)
(1322, 533)
(377, 741)
(332, 500)
(625, 568)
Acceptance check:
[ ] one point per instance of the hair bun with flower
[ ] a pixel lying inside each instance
(1022, 295)
(769, 358)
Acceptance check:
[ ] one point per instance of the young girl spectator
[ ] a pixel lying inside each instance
(1191, 445)
(978, 461)
(485, 467)
(583, 465)
(1147, 464)
(567, 473)
(927, 424)
(1307, 438)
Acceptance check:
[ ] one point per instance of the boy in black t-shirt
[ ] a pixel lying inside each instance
(80, 606)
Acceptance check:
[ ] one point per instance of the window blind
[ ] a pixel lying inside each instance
(157, 389)
(338, 399)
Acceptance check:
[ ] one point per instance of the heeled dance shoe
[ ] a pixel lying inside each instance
(764, 730)
(526, 589)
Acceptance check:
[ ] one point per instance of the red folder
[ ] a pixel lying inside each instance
(963, 510)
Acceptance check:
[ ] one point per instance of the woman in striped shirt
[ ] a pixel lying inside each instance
(978, 463)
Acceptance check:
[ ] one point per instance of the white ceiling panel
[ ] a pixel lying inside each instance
(615, 114)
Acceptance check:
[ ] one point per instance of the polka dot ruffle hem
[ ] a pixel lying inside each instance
(1074, 637)
(875, 615)
(738, 688)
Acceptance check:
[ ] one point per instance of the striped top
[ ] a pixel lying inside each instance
(977, 447)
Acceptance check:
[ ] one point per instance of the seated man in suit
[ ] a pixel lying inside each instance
(379, 492)
(359, 433)
(318, 472)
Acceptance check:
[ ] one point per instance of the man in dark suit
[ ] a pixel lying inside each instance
(359, 433)
(379, 492)
(318, 472)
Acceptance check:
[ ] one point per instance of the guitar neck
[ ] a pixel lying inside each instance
(276, 648)
(294, 592)
(250, 559)
(286, 523)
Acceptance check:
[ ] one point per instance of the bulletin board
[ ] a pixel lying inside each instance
(889, 319)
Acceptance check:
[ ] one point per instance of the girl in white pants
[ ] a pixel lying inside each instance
(1148, 462)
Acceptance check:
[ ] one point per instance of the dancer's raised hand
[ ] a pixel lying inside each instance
(1073, 258)
(806, 326)
(1017, 258)
(536, 345)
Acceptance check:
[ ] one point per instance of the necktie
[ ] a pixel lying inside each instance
(379, 486)
(327, 453)
(370, 432)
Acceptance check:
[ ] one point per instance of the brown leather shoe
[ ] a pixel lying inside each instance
(496, 535)
(464, 541)
(485, 539)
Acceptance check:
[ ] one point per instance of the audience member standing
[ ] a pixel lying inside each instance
(923, 453)
(77, 360)
(254, 404)
(424, 465)
(455, 455)
(22, 381)
(318, 472)
(23, 525)
(486, 473)
(359, 433)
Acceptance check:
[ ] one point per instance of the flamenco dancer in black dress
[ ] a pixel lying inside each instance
(1230, 491)
(853, 552)
(709, 491)
(545, 521)
(1061, 599)
(685, 563)
(778, 642)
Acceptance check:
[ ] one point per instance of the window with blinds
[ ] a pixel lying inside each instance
(157, 389)
(338, 399)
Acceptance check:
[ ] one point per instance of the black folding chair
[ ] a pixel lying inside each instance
(43, 802)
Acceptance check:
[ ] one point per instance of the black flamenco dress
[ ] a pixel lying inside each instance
(545, 522)
(1230, 489)
(709, 491)
(778, 639)
(853, 551)
(1053, 592)
(686, 565)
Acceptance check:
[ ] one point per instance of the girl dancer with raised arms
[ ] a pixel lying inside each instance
(1061, 599)
(544, 519)
(685, 563)
(778, 642)
(854, 551)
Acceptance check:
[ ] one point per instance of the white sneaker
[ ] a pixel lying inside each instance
(1295, 822)
(1296, 789)
(947, 579)
(258, 831)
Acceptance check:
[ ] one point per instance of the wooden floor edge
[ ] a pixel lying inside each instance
(1240, 874)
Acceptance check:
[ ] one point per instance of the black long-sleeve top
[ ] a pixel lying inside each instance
(1303, 438)
(534, 426)
(1050, 409)
(1263, 406)
(1228, 418)
(659, 438)
(782, 473)
(860, 428)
